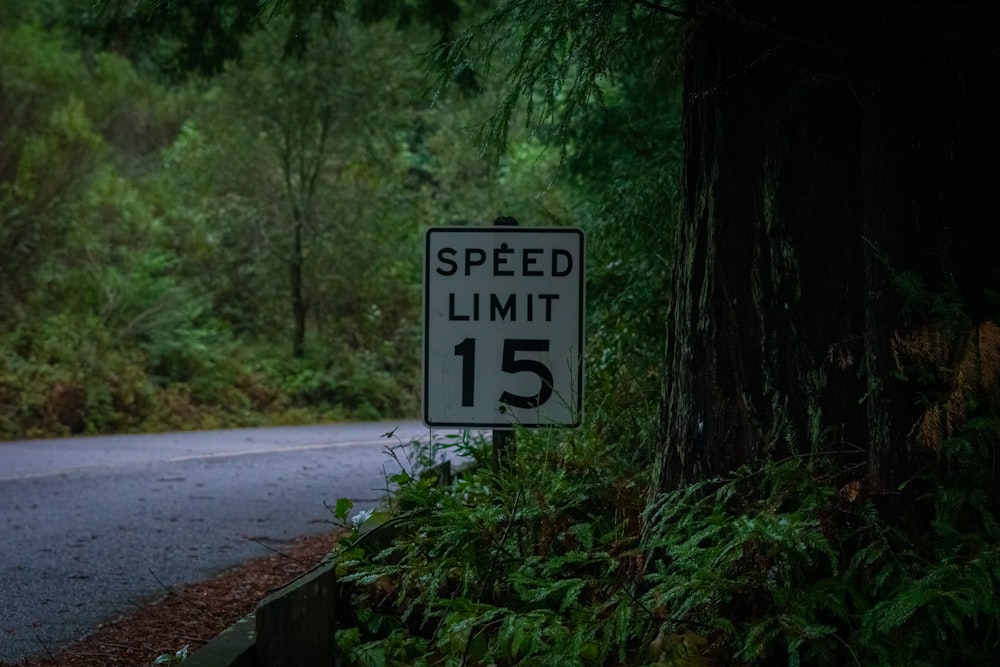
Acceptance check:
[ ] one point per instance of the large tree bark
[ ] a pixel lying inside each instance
(828, 149)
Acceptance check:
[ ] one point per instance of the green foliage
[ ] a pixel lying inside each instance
(595, 82)
(64, 374)
(535, 566)
(171, 38)
(776, 563)
(788, 562)
(922, 303)
(623, 167)
(740, 558)
(147, 228)
(50, 147)
(553, 57)
(175, 658)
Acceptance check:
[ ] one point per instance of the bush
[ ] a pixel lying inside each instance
(535, 565)
(558, 560)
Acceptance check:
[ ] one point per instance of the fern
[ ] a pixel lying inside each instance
(536, 568)
(782, 562)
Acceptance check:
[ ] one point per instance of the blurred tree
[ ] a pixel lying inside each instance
(299, 178)
(176, 37)
(183, 36)
(149, 228)
(318, 146)
(49, 149)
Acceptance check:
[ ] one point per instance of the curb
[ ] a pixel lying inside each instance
(293, 627)
(296, 625)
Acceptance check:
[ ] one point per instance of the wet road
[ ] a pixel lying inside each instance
(92, 527)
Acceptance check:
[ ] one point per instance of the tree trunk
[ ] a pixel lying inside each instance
(299, 307)
(882, 196)
(828, 149)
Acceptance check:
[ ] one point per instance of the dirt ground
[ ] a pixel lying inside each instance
(190, 615)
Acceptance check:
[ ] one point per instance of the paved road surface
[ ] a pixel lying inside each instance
(90, 527)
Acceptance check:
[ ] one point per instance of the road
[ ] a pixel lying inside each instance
(91, 527)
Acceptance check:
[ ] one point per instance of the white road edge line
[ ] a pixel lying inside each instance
(194, 457)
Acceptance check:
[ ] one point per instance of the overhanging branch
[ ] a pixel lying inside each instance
(657, 7)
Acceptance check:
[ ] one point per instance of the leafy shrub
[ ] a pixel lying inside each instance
(66, 374)
(785, 563)
(558, 560)
(534, 565)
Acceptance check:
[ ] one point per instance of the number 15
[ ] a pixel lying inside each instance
(510, 364)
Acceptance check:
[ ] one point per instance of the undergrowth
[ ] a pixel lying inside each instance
(563, 559)
(536, 565)
(65, 375)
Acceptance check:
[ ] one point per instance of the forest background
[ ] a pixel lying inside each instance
(790, 452)
(225, 231)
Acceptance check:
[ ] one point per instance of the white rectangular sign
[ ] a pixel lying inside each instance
(503, 326)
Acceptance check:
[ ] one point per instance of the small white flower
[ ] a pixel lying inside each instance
(359, 519)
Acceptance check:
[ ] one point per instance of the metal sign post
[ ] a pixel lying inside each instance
(503, 438)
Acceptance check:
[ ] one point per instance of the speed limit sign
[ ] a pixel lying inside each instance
(503, 326)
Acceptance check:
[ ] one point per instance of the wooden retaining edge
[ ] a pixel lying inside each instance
(296, 625)
(233, 647)
(293, 627)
